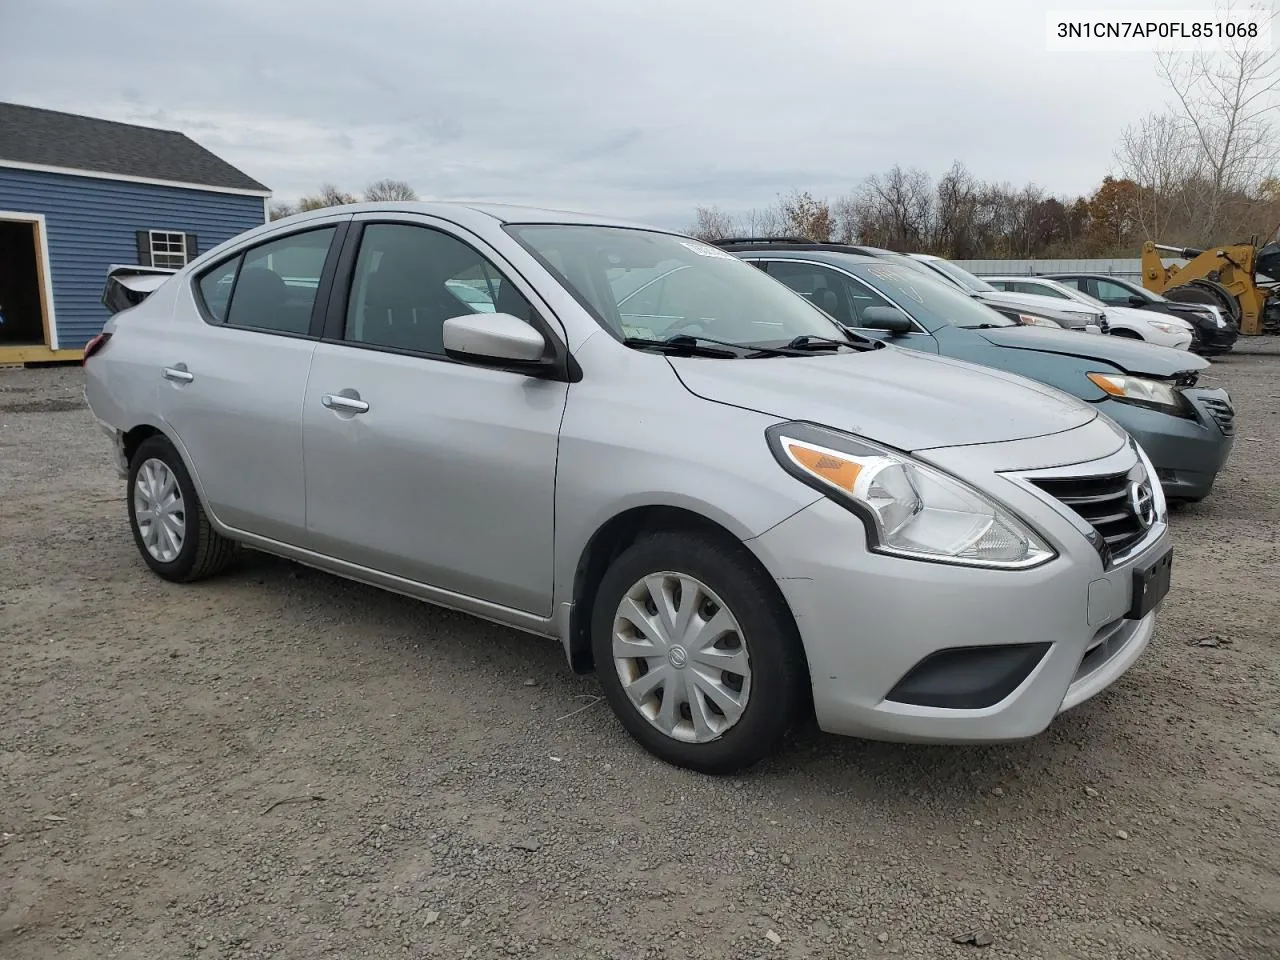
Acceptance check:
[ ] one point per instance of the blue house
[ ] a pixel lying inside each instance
(78, 194)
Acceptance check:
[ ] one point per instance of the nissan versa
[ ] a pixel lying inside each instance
(729, 507)
(1151, 391)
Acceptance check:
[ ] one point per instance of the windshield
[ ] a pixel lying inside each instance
(649, 285)
(962, 276)
(933, 303)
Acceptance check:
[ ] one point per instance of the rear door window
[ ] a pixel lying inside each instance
(215, 288)
(1109, 292)
(275, 286)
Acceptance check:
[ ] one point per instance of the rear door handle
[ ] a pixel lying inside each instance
(336, 401)
(178, 374)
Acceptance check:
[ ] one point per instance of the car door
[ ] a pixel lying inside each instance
(1112, 294)
(232, 385)
(845, 298)
(439, 472)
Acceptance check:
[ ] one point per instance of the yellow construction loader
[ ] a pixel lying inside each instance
(1242, 280)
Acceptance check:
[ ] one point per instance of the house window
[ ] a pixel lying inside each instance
(168, 249)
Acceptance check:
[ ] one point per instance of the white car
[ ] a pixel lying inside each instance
(1078, 316)
(1162, 329)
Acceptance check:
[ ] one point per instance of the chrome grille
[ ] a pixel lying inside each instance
(1223, 415)
(1105, 503)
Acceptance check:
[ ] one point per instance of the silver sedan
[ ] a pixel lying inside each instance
(731, 509)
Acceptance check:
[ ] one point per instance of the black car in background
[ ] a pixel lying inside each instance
(1215, 334)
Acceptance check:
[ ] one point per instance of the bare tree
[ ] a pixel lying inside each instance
(390, 190)
(766, 222)
(329, 196)
(845, 223)
(955, 214)
(1159, 154)
(805, 216)
(896, 209)
(279, 211)
(711, 223)
(1229, 101)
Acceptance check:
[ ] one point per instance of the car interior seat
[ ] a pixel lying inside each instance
(261, 299)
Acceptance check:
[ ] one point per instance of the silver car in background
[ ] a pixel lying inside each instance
(728, 507)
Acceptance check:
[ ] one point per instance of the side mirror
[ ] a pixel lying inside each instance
(1136, 301)
(496, 339)
(889, 319)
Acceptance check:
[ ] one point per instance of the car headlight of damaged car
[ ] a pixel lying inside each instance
(1140, 391)
(911, 510)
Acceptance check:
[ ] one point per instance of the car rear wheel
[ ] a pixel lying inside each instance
(169, 525)
(697, 653)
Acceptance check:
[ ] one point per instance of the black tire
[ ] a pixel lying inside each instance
(204, 552)
(1126, 334)
(779, 673)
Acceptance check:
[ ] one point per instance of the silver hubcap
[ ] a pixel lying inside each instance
(680, 655)
(159, 511)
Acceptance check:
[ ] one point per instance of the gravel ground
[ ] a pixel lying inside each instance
(278, 763)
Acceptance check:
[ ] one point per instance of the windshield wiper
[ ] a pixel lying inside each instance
(985, 326)
(696, 345)
(681, 344)
(810, 342)
(753, 350)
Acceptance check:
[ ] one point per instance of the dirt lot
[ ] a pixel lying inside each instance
(451, 791)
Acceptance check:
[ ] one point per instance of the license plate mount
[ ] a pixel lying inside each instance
(1151, 585)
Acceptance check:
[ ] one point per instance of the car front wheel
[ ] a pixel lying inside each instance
(169, 525)
(697, 653)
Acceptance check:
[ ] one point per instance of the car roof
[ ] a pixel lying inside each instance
(1095, 276)
(821, 252)
(470, 213)
(1032, 277)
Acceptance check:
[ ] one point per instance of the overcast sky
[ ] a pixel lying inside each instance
(642, 109)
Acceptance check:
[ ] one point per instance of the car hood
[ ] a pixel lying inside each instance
(1131, 356)
(902, 398)
(1135, 315)
(1034, 301)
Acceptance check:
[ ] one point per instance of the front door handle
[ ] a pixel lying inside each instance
(336, 401)
(178, 373)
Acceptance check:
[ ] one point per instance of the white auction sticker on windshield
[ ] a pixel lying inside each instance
(702, 250)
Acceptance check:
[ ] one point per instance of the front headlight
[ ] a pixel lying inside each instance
(910, 510)
(1030, 319)
(1168, 328)
(1140, 391)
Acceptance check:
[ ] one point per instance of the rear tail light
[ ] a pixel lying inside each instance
(94, 345)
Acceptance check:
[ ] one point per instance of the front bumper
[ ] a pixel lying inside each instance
(1211, 338)
(868, 621)
(1187, 452)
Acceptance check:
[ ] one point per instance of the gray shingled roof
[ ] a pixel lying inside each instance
(54, 139)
